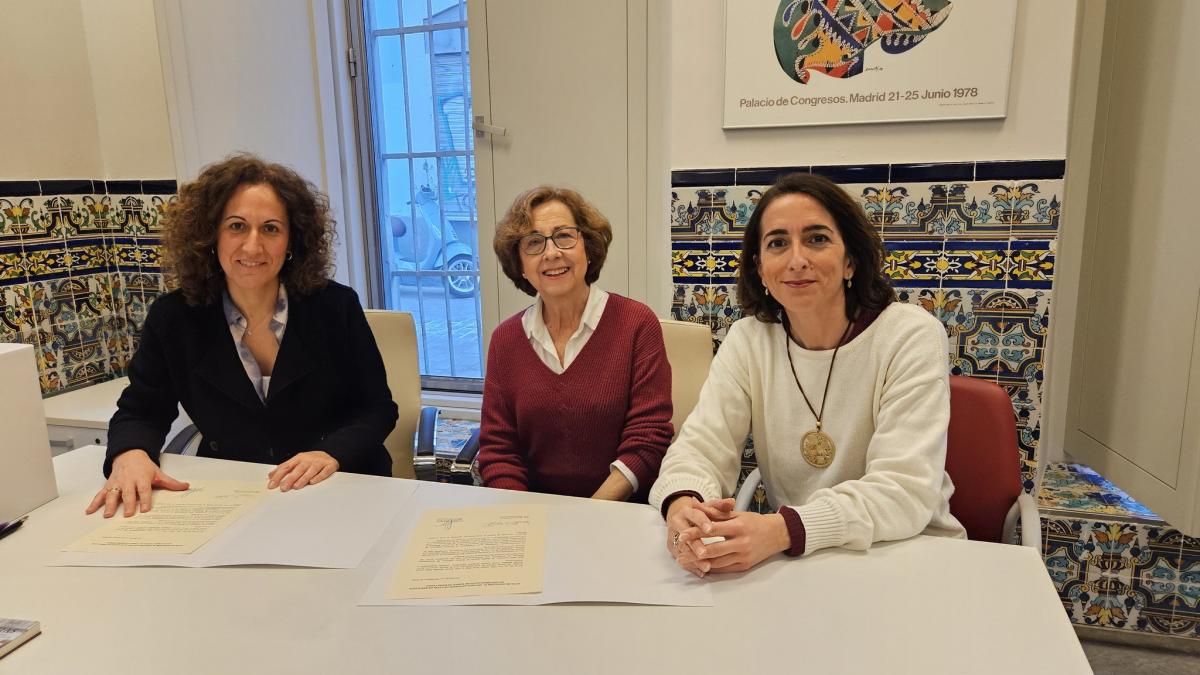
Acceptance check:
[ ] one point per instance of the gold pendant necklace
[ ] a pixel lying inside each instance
(817, 448)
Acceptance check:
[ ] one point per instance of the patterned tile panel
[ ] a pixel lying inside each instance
(1030, 263)
(1111, 574)
(914, 263)
(16, 312)
(724, 259)
(722, 299)
(79, 261)
(690, 262)
(969, 263)
(947, 209)
(709, 211)
(1079, 489)
(883, 204)
(972, 243)
(17, 217)
(684, 305)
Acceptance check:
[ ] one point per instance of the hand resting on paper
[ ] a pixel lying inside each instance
(749, 537)
(304, 468)
(134, 475)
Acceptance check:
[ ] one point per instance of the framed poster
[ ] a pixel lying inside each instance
(808, 62)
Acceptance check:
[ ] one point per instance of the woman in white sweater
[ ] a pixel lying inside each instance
(844, 390)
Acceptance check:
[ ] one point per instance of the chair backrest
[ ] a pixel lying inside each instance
(396, 336)
(982, 457)
(690, 352)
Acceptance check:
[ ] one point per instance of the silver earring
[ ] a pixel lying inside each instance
(766, 290)
(849, 282)
(289, 256)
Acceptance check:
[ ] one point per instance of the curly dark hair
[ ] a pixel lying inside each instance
(871, 288)
(518, 222)
(192, 223)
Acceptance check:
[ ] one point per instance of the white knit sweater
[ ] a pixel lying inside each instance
(889, 404)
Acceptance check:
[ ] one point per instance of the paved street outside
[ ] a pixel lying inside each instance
(437, 336)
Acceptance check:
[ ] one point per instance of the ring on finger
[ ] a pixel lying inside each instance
(115, 488)
(675, 540)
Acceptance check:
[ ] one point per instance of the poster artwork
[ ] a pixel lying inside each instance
(798, 62)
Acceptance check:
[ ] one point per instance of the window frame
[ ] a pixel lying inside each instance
(377, 276)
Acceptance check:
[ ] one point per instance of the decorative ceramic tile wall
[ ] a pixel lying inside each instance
(1116, 564)
(1125, 575)
(79, 264)
(971, 242)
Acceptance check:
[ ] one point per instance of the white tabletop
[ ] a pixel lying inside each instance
(88, 407)
(925, 605)
(93, 406)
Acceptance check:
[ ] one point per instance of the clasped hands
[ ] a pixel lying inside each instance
(134, 476)
(750, 537)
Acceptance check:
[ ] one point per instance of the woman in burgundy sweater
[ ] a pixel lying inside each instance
(577, 393)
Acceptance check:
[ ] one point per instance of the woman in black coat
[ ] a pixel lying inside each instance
(273, 361)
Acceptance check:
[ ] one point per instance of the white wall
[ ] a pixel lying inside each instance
(260, 77)
(48, 118)
(130, 106)
(1035, 128)
(83, 91)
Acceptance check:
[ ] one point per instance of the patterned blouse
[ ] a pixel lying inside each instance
(237, 327)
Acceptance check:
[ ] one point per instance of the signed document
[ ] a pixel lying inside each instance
(180, 522)
(496, 550)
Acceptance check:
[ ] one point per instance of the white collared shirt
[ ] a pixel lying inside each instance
(543, 345)
(237, 327)
(539, 335)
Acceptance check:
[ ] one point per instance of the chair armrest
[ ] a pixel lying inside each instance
(1025, 511)
(470, 450)
(463, 469)
(745, 495)
(424, 461)
(1031, 522)
(177, 445)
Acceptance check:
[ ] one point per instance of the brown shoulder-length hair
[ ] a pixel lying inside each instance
(871, 289)
(518, 222)
(193, 220)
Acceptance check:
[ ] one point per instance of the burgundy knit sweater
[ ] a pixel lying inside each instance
(559, 433)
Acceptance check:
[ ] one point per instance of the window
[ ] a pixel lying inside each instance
(417, 128)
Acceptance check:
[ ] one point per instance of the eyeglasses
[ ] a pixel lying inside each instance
(564, 238)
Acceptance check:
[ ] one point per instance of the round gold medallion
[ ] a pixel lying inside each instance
(818, 448)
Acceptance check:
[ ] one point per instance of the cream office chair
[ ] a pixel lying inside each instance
(689, 351)
(396, 336)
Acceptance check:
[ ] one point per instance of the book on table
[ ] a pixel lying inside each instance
(16, 632)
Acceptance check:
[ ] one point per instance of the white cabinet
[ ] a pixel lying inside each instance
(78, 418)
(67, 438)
(1135, 397)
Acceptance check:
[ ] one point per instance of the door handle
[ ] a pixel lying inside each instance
(482, 128)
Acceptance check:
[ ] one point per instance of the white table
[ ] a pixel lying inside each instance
(925, 605)
(80, 417)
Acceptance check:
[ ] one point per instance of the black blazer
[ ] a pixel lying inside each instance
(328, 388)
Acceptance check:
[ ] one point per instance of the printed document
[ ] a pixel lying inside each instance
(497, 550)
(595, 551)
(180, 522)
